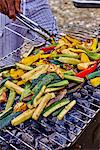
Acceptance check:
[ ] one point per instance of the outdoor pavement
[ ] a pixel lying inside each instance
(66, 13)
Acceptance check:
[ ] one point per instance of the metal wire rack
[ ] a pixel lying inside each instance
(50, 133)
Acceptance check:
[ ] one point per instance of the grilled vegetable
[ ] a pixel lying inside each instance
(66, 51)
(6, 120)
(11, 99)
(58, 84)
(74, 89)
(23, 67)
(5, 74)
(2, 82)
(55, 113)
(42, 71)
(41, 106)
(30, 59)
(53, 89)
(22, 117)
(85, 72)
(73, 78)
(29, 74)
(94, 74)
(26, 51)
(28, 98)
(69, 55)
(44, 81)
(48, 48)
(35, 103)
(71, 61)
(11, 85)
(95, 81)
(69, 72)
(66, 109)
(21, 106)
(83, 66)
(16, 74)
(76, 50)
(21, 82)
(6, 113)
(45, 56)
(7, 68)
(2, 89)
(27, 92)
(72, 40)
(54, 107)
(35, 81)
(56, 62)
(94, 44)
(60, 96)
(84, 58)
(40, 99)
(93, 55)
(3, 97)
(56, 69)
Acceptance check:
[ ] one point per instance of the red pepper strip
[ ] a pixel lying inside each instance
(48, 49)
(87, 71)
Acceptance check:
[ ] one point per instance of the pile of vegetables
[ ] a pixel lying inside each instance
(39, 84)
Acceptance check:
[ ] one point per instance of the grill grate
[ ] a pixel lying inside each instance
(50, 133)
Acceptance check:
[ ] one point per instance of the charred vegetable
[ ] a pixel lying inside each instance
(22, 117)
(41, 106)
(54, 107)
(11, 99)
(66, 109)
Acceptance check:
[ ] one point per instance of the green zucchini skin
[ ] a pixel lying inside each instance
(73, 78)
(44, 81)
(6, 113)
(56, 62)
(65, 55)
(66, 109)
(3, 81)
(35, 81)
(94, 74)
(54, 114)
(55, 106)
(58, 84)
(69, 72)
(6, 120)
(11, 99)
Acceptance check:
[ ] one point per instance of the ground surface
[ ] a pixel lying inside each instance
(66, 13)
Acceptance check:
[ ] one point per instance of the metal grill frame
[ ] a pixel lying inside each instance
(10, 59)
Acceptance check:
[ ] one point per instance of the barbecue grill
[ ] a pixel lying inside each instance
(50, 133)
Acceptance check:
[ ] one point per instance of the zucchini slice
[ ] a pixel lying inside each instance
(35, 102)
(41, 106)
(53, 89)
(58, 84)
(54, 114)
(55, 106)
(66, 109)
(11, 99)
(73, 78)
(23, 67)
(22, 117)
(6, 113)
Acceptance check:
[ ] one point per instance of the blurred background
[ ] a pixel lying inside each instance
(66, 13)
